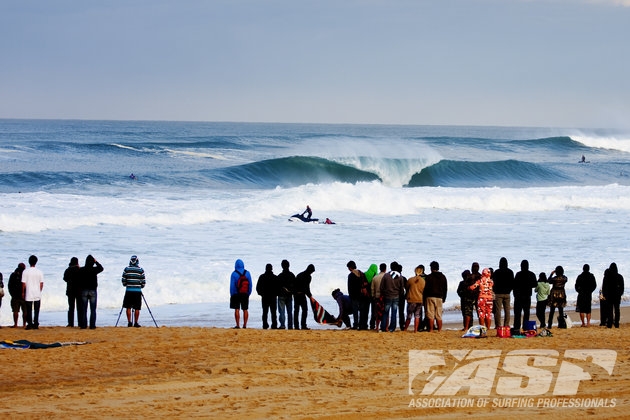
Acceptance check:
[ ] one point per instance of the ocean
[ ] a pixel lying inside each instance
(204, 194)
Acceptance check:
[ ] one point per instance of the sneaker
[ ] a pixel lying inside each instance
(136, 325)
(129, 324)
(236, 327)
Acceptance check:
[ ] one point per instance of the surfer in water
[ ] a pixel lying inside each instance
(583, 159)
(132, 177)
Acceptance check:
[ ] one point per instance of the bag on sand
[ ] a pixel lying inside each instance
(504, 332)
(478, 331)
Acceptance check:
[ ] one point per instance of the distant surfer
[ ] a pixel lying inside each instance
(583, 159)
(329, 222)
(132, 176)
(308, 212)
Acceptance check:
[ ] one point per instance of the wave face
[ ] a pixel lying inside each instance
(69, 155)
(507, 173)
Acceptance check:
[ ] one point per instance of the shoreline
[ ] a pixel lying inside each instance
(219, 315)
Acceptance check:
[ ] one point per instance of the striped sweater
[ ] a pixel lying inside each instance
(133, 278)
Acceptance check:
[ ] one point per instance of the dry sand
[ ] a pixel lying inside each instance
(224, 373)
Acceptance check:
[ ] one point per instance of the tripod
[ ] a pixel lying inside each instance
(149, 309)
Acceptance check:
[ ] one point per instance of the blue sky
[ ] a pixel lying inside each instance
(551, 63)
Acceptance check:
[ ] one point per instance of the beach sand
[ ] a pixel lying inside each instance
(182, 372)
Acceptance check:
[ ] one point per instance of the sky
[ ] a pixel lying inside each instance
(545, 63)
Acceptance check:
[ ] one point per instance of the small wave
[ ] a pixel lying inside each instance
(122, 146)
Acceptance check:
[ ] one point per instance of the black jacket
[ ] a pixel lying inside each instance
(267, 284)
(88, 276)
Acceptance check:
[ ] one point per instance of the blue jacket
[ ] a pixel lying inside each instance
(239, 268)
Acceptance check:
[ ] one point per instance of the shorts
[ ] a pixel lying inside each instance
(239, 301)
(434, 308)
(414, 310)
(16, 304)
(133, 300)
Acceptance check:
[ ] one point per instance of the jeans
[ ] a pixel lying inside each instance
(502, 301)
(285, 303)
(88, 296)
(390, 305)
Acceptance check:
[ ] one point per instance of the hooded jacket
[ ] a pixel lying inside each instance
(239, 268)
(371, 272)
(88, 274)
(612, 285)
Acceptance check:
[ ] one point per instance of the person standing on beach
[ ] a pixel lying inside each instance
(377, 300)
(1, 290)
(240, 290)
(133, 279)
(15, 290)
(503, 279)
(467, 298)
(542, 295)
(585, 285)
(391, 286)
(402, 300)
(71, 277)
(484, 297)
(32, 285)
(370, 273)
(267, 288)
(612, 289)
(415, 299)
(524, 283)
(286, 282)
(358, 290)
(88, 283)
(557, 296)
(435, 291)
(301, 292)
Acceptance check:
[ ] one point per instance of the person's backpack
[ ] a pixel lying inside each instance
(242, 286)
